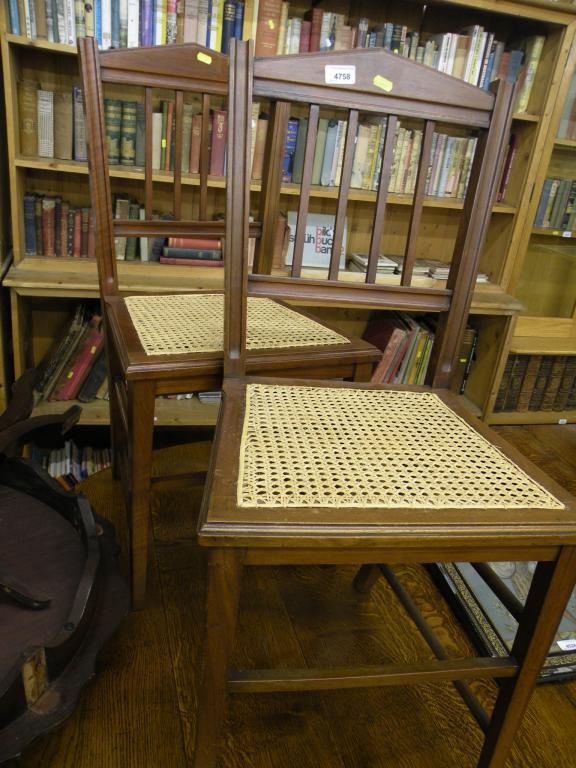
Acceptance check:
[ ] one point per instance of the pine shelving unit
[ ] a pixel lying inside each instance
(42, 290)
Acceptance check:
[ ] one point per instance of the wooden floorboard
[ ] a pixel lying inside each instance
(140, 709)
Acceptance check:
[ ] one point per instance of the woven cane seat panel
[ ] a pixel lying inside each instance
(182, 324)
(346, 447)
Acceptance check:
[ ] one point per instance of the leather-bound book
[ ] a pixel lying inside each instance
(268, 25)
(63, 125)
(259, 146)
(218, 142)
(128, 133)
(113, 125)
(566, 383)
(314, 16)
(38, 225)
(29, 225)
(525, 394)
(553, 383)
(504, 382)
(540, 383)
(48, 225)
(96, 376)
(28, 117)
(87, 353)
(516, 379)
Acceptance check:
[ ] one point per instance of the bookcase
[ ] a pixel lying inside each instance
(43, 290)
(541, 273)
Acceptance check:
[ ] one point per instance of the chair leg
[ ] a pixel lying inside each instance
(117, 437)
(223, 592)
(141, 399)
(363, 371)
(551, 588)
(366, 577)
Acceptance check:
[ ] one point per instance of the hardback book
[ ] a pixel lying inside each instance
(190, 21)
(259, 146)
(191, 262)
(317, 240)
(80, 18)
(314, 16)
(215, 25)
(106, 24)
(319, 150)
(199, 254)
(298, 160)
(48, 225)
(195, 141)
(128, 133)
(133, 24)
(140, 149)
(187, 114)
(529, 382)
(156, 139)
(121, 211)
(289, 149)
(28, 117)
(63, 123)
(45, 122)
(76, 371)
(239, 19)
(228, 24)
(541, 382)
(96, 376)
(553, 383)
(89, 17)
(385, 331)
(305, 32)
(281, 45)
(131, 253)
(329, 153)
(219, 121)
(38, 224)
(30, 225)
(123, 7)
(79, 138)
(566, 384)
(533, 47)
(56, 354)
(517, 373)
(267, 28)
(168, 128)
(202, 243)
(491, 626)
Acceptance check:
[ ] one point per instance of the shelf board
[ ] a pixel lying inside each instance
(546, 345)
(137, 174)
(532, 417)
(78, 278)
(549, 232)
(525, 117)
(42, 45)
(168, 412)
(565, 142)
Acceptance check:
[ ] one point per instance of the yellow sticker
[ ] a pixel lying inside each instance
(384, 83)
(271, 23)
(163, 144)
(204, 57)
(70, 374)
(92, 350)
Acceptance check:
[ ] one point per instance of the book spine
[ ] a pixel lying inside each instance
(269, 12)
(45, 123)
(79, 137)
(193, 253)
(228, 24)
(140, 149)
(63, 125)
(29, 225)
(147, 23)
(201, 243)
(14, 17)
(28, 117)
(89, 22)
(191, 262)
(238, 19)
(170, 22)
(48, 226)
(218, 142)
(123, 15)
(289, 149)
(128, 133)
(113, 126)
(133, 24)
(80, 18)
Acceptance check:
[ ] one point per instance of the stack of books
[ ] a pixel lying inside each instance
(56, 228)
(557, 206)
(567, 127)
(71, 464)
(392, 265)
(192, 251)
(76, 367)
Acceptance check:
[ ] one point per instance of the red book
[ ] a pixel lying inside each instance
(77, 234)
(63, 244)
(507, 168)
(48, 225)
(305, 36)
(382, 370)
(314, 16)
(91, 242)
(85, 225)
(192, 262)
(268, 26)
(195, 144)
(88, 351)
(218, 142)
(194, 242)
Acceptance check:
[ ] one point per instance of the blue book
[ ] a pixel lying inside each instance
(289, 148)
(514, 65)
(546, 187)
(98, 21)
(208, 25)
(147, 16)
(228, 24)
(489, 67)
(115, 32)
(14, 18)
(30, 225)
(239, 19)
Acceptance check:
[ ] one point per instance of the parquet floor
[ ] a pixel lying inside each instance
(140, 709)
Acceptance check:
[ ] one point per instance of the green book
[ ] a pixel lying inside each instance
(113, 124)
(298, 162)
(128, 133)
(140, 156)
(319, 150)
(132, 242)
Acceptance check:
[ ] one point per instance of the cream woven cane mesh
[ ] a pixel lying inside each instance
(332, 447)
(181, 324)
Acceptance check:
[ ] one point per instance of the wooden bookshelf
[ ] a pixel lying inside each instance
(32, 280)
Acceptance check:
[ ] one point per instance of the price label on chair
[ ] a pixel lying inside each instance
(337, 74)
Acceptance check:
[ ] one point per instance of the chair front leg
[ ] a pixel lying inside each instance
(223, 592)
(118, 437)
(551, 588)
(141, 400)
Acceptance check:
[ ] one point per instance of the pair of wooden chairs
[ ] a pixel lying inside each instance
(168, 344)
(309, 472)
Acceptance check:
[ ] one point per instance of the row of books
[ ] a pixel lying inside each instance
(76, 368)
(71, 463)
(472, 54)
(406, 343)
(537, 383)
(557, 206)
(52, 123)
(392, 265)
(567, 127)
(130, 23)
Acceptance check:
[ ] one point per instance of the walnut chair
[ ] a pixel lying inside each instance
(166, 344)
(304, 472)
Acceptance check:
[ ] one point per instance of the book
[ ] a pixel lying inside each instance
(528, 383)
(317, 240)
(553, 382)
(267, 27)
(63, 125)
(28, 117)
(540, 382)
(290, 148)
(128, 133)
(77, 370)
(93, 381)
(45, 122)
(79, 130)
(218, 142)
(532, 47)
(198, 254)
(259, 146)
(205, 243)
(191, 262)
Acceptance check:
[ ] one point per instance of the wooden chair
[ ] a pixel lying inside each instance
(161, 345)
(346, 473)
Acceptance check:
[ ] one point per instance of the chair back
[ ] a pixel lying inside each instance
(145, 76)
(370, 93)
